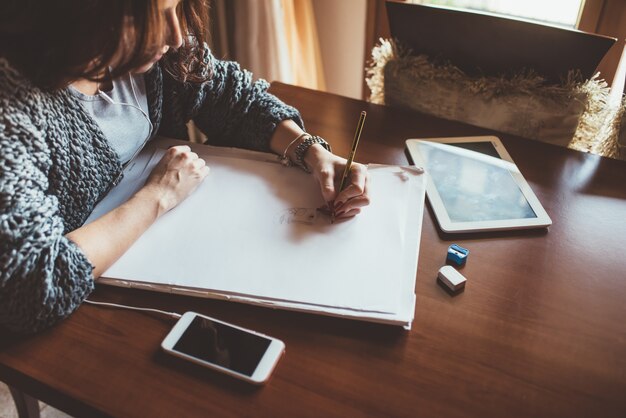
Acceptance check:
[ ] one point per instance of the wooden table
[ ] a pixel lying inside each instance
(539, 331)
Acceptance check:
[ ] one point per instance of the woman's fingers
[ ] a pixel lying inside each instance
(177, 150)
(197, 163)
(348, 214)
(200, 168)
(358, 178)
(356, 193)
(177, 175)
(182, 157)
(355, 202)
(325, 178)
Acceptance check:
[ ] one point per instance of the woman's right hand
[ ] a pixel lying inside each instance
(175, 177)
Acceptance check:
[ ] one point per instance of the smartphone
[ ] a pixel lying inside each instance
(239, 352)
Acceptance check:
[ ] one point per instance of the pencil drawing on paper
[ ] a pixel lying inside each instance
(298, 215)
(307, 216)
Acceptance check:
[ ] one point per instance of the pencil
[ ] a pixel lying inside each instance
(355, 143)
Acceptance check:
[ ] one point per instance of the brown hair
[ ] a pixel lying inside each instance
(55, 42)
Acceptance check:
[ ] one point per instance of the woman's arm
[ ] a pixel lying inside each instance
(176, 176)
(230, 107)
(44, 275)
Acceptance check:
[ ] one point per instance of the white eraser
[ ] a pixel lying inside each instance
(451, 278)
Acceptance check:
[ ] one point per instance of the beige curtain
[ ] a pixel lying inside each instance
(303, 44)
(275, 39)
(221, 24)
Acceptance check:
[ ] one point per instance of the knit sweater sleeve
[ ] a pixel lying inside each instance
(234, 110)
(43, 275)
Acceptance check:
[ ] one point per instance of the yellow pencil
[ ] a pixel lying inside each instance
(355, 143)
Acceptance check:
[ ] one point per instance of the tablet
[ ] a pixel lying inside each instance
(474, 185)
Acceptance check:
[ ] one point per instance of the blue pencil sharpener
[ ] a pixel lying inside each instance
(457, 254)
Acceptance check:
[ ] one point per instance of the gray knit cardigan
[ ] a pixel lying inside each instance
(56, 164)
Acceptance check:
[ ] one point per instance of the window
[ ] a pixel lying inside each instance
(563, 13)
(605, 17)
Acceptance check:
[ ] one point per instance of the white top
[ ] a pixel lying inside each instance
(124, 126)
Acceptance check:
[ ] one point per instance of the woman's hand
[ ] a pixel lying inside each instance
(104, 241)
(328, 169)
(175, 177)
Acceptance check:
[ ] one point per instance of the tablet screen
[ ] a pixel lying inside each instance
(474, 183)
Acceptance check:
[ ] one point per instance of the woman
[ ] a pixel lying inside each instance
(83, 86)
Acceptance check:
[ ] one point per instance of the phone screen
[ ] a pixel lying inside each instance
(222, 345)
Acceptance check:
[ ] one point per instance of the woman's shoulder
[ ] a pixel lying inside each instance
(21, 118)
(17, 94)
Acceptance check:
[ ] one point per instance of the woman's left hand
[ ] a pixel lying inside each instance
(328, 169)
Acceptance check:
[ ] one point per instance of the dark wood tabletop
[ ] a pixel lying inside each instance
(540, 330)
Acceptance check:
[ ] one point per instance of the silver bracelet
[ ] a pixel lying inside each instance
(284, 159)
(304, 146)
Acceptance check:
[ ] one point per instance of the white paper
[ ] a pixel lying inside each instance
(249, 231)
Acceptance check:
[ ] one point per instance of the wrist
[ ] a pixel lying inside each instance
(314, 154)
(155, 199)
(303, 148)
(299, 153)
(288, 156)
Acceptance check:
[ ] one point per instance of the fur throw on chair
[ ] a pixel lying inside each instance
(573, 114)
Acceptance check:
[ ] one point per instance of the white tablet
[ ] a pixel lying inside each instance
(474, 185)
